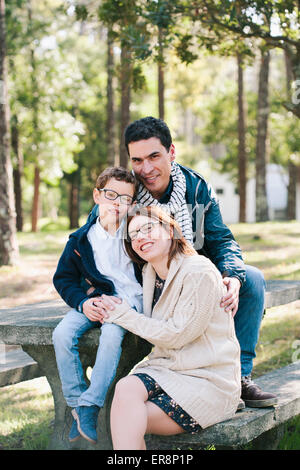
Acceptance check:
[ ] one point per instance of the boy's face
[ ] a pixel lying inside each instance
(112, 211)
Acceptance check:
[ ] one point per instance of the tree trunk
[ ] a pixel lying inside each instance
(161, 81)
(292, 186)
(125, 82)
(242, 157)
(110, 111)
(36, 199)
(74, 199)
(17, 173)
(262, 132)
(8, 240)
(292, 57)
(35, 127)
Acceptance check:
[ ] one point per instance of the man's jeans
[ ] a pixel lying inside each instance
(249, 315)
(65, 340)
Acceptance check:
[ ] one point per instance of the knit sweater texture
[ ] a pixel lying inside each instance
(196, 355)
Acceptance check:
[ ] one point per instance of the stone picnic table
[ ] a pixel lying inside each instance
(31, 326)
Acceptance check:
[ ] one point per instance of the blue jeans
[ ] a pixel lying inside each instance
(249, 315)
(65, 341)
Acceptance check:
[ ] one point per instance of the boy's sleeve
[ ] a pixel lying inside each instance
(67, 278)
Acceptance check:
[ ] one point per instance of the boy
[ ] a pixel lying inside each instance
(95, 253)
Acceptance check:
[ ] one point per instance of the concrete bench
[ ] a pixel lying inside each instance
(17, 366)
(262, 427)
(31, 326)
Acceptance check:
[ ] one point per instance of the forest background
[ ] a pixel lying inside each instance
(223, 75)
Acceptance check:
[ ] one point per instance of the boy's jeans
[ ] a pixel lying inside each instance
(65, 340)
(249, 315)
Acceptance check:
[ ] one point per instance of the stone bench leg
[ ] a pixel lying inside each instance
(269, 440)
(45, 357)
(134, 350)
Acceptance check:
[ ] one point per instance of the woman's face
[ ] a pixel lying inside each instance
(149, 238)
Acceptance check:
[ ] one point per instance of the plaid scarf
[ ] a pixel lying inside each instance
(176, 207)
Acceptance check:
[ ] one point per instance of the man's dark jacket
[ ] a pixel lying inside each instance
(212, 238)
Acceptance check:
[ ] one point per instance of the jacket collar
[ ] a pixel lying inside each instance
(149, 277)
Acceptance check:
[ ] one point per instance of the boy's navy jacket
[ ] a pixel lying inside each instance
(76, 271)
(212, 238)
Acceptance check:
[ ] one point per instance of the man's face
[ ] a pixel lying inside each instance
(151, 163)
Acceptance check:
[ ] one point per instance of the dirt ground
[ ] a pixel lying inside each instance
(29, 282)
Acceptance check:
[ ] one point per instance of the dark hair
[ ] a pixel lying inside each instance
(118, 173)
(179, 243)
(148, 127)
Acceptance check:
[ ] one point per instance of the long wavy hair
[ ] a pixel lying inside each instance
(179, 245)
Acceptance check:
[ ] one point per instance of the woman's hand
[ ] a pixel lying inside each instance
(230, 301)
(107, 303)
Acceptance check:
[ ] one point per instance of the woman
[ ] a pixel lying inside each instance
(191, 379)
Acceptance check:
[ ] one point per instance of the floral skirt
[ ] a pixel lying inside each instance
(158, 396)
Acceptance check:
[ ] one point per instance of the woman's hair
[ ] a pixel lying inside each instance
(178, 244)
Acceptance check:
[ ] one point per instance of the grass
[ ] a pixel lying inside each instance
(274, 248)
(27, 410)
(291, 438)
(26, 415)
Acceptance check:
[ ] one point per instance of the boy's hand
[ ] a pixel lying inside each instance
(93, 310)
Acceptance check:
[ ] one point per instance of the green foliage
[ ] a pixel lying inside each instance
(183, 49)
(267, 24)
(221, 128)
(161, 13)
(291, 438)
(59, 103)
(119, 11)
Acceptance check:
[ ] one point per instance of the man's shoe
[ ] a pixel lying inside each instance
(74, 434)
(86, 418)
(254, 397)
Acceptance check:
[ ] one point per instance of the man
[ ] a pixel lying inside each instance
(191, 200)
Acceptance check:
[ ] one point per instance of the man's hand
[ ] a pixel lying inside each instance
(93, 310)
(230, 301)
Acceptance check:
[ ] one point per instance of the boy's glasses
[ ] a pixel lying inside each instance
(112, 195)
(145, 229)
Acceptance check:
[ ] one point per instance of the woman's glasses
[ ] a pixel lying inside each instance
(144, 229)
(112, 195)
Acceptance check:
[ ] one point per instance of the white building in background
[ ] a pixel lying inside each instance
(277, 183)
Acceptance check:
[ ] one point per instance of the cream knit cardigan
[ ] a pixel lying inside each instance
(196, 356)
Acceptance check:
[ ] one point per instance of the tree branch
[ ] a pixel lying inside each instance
(275, 40)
